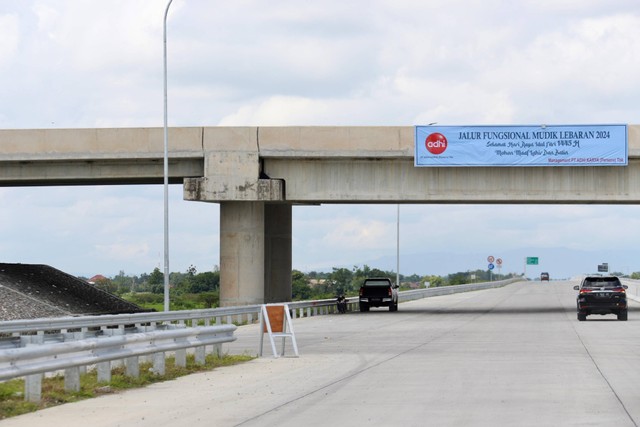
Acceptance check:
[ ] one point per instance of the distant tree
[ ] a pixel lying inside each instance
(122, 283)
(340, 280)
(156, 281)
(204, 282)
(433, 281)
(412, 278)
(361, 273)
(300, 288)
(106, 285)
(156, 277)
(459, 278)
(191, 271)
(210, 299)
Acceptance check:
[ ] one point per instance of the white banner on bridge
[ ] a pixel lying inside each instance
(557, 145)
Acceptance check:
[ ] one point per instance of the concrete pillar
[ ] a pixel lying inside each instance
(277, 252)
(255, 253)
(241, 253)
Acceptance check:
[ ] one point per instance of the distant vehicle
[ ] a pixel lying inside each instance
(378, 292)
(601, 295)
(544, 276)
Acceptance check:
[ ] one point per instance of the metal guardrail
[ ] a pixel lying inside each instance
(35, 360)
(206, 317)
(217, 316)
(84, 323)
(634, 288)
(33, 347)
(448, 290)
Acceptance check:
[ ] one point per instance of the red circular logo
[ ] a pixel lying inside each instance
(436, 143)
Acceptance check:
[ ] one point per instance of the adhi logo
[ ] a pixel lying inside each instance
(436, 143)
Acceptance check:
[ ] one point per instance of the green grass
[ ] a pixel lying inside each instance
(149, 301)
(12, 401)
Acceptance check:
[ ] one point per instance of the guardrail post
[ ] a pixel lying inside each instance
(132, 366)
(159, 363)
(33, 388)
(200, 355)
(217, 350)
(181, 358)
(72, 379)
(104, 372)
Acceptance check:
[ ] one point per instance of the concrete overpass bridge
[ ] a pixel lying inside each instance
(258, 174)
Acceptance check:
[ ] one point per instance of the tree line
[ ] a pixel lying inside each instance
(193, 289)
(187, 291)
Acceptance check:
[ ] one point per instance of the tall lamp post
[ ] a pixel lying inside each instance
(398, 246)
(166, 168)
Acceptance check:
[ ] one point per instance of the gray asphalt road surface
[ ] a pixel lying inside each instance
(514, 356)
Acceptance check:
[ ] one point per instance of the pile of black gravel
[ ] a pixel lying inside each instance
(30, 291)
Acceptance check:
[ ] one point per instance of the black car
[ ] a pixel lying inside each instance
(378, 292)
(601, 295)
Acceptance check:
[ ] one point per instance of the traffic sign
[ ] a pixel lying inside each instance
(491, 266)
(532, 260)
(490, 259)
(499, 261)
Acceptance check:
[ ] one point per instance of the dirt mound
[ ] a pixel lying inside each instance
(29, 291)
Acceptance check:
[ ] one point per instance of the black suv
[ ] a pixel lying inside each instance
(601, 295)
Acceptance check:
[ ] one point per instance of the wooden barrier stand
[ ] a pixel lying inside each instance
(275, 320)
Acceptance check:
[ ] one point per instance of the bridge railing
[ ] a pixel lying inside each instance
(634, 288)
(454, 289)
(206, 317)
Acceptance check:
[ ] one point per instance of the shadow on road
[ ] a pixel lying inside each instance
(482, 310)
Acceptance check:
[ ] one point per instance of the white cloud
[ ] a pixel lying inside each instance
(90, 63)
(9, 38)
(123, 252)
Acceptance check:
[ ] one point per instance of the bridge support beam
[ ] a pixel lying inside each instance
(255, 253)
(278, 252)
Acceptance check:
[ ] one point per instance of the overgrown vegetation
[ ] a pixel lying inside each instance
(192, 290)
(12, 401)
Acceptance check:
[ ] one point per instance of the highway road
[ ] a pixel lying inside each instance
(513, 356)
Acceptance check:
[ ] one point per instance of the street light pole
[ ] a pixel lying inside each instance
(398, 246)
(166, 168)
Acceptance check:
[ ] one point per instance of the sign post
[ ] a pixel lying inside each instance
(530, 260)
(490, 260)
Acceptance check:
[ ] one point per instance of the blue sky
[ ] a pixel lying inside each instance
(98, 63)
